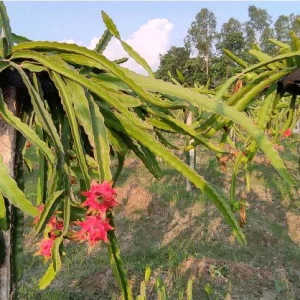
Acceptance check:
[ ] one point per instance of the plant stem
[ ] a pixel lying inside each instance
(116, 262)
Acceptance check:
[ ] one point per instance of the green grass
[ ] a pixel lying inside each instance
(176, 227)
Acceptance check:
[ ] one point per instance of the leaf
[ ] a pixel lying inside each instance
(103, 42)
(80, 60)
(271, 60)
(100, 47)
(47, 278)
(121, 160)
(116, 262)
(164, 141)
(67, 104)
(180, 76)
(18, 39)
(116, 142)
(35, 68)
(146, 156)
(10, 190)
(177, 125)
(111, 81)
(126, 99)
(110, 25)
(40, 110)
(3, 65)
(8, 116)
(295, 46)
(78, 97)
(100, 59)
(160, 289)
(257, 87)
(264, 115)
(160, 125)
(235, 58)
(208, 289)
(55, 254)
(261, 56)
(224, 87)
(98, 89)
(280, 44)
(132, 53)
(120, 60)
(6, 29)
(237, 163)
(173, 79)
(54, 267)
(240, 100)
(101, 141)
(147, 273)
(149, 142)
(189, 290)
(50, 206)
(143, 290)
(220, 108)
(42, 174)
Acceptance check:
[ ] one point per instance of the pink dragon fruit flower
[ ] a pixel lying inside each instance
(45, 245)
(100, 197)
(93, 229)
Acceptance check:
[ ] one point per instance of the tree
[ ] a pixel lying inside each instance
(202, 34)
(258, 28)
(175, 58)
(265, 45)
(282, 28)
(195, 71)
(231, 38)
(295, 23)
(178, 58)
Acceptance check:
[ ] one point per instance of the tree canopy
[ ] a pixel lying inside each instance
(202, 59)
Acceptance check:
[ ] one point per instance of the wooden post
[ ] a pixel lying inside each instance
(190, 155)
(7, 151)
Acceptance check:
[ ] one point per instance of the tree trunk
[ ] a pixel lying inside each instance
(7, 151)
(207, 65)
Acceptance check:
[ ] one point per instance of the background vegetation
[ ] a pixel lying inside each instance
(202, 58)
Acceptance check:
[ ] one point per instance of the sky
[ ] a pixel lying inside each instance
(151, 28)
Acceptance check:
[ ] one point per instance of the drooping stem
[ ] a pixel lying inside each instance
(116, 261)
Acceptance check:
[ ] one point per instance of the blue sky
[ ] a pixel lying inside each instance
(81, 21)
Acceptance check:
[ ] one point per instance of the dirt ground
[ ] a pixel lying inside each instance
(182, 235)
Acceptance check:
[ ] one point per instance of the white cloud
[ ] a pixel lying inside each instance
(149, 41)
(93, 43)
(71, 41)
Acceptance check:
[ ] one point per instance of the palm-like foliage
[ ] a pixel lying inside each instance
(98, 108)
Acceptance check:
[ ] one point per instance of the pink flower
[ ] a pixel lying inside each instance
(40, 209)
(100, 197)
(287, 133)
(45, 248)
(93, 229)
(55, 224)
